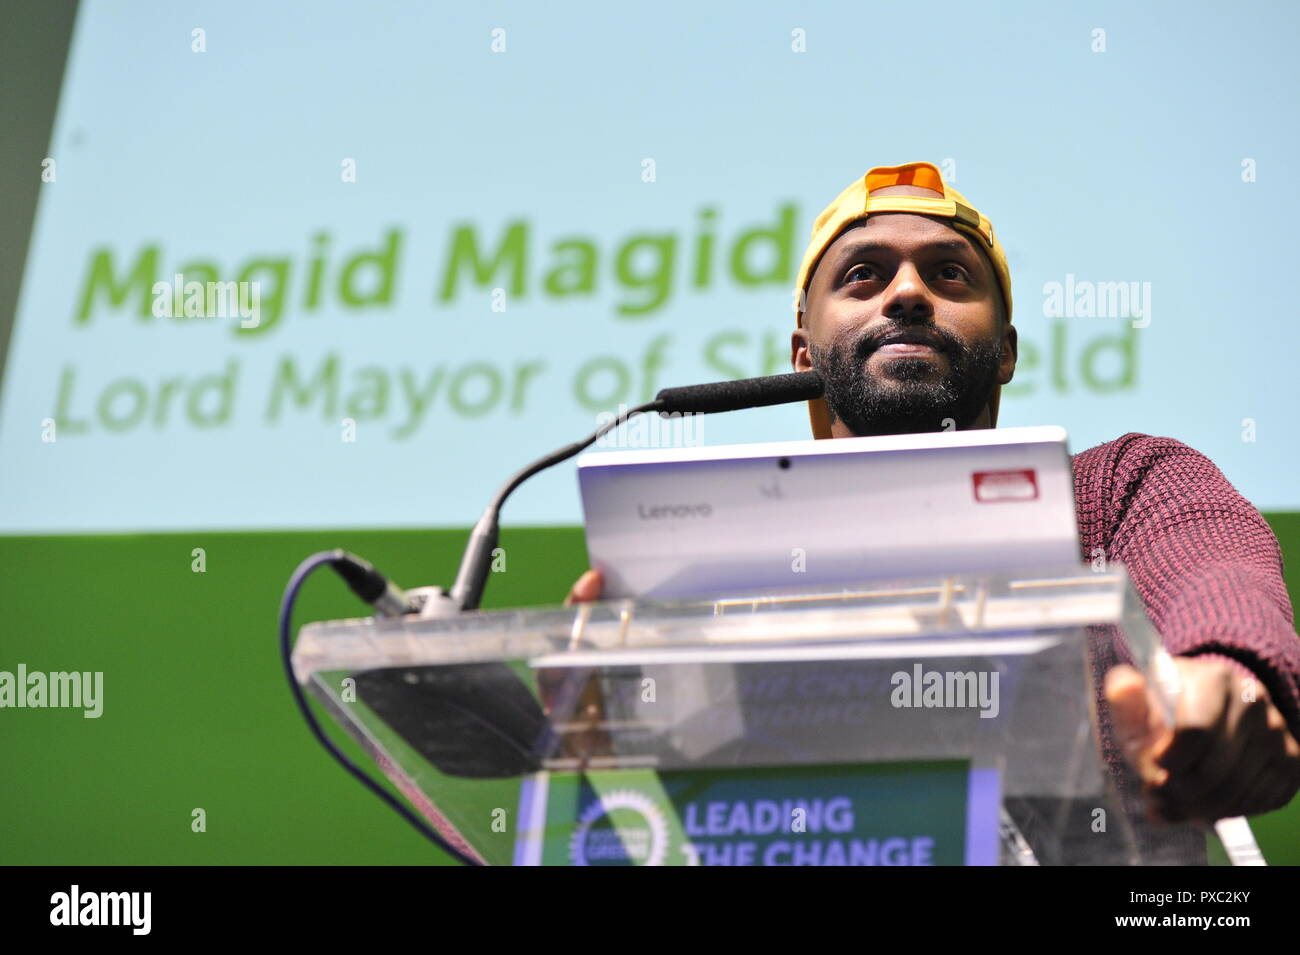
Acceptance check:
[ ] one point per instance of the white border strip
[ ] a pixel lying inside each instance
(532, 818)
(983, 804)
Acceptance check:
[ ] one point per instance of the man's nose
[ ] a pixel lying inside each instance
(907, 298)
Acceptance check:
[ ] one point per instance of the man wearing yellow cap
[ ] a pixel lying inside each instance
(903, 304)
(941, 345)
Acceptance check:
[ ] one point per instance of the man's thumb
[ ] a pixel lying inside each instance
(586, 588)
(1138, 722)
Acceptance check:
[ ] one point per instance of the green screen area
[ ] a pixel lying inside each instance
(197, 714)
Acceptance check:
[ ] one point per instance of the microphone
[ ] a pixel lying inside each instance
(475, 565)
(744, 393)
(480, 720)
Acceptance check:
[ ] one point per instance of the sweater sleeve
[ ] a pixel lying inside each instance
(1206, 564)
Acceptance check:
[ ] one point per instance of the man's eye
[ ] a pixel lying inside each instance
(864, 272)
(952, 272)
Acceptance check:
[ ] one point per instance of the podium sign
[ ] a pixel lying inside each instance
(939, 813)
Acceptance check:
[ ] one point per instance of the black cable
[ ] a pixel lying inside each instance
(286, 650)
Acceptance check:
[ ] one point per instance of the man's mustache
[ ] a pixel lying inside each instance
(872, 338)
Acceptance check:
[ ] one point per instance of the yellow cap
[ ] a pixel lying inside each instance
(856, 203)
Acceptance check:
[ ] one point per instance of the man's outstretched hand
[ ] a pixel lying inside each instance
(1229, 752)
(586, 588)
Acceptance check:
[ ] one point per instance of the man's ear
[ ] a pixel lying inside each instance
(1007, 364)
(800, 358)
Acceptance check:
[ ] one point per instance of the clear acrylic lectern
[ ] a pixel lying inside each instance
(945, 720)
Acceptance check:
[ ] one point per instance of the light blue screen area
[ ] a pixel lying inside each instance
(1117, 166)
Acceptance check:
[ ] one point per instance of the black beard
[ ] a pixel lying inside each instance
(912, 399)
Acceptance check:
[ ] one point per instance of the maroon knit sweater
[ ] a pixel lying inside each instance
(1206, 565)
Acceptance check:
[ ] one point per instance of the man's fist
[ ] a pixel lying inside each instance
(1229, 752)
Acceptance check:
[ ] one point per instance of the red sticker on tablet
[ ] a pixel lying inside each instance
(993, 486)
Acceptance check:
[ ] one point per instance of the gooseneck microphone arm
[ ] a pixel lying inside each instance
(389, 600)
(471, 579)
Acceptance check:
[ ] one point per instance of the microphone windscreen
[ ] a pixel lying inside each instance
(744, 393)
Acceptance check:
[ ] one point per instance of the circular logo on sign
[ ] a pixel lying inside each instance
(623, 827)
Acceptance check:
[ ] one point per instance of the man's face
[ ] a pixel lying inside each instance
(904, 323)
